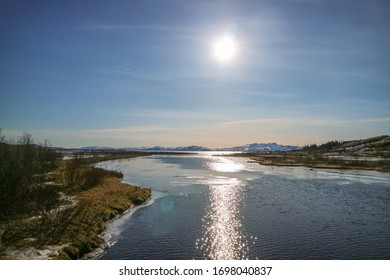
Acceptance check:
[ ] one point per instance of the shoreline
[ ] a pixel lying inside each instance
(110, 201)
(319, 163)
(108, 239)
(321, 166)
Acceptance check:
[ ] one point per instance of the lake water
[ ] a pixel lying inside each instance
(221, 207)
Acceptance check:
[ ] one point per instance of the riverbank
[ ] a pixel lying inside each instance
(363, 154)
(323, 162)
(74, 227)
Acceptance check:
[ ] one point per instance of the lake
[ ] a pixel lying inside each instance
(223, 207)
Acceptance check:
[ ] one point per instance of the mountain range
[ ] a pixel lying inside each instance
(254, 147)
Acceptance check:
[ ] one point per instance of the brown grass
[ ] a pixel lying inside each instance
(80, 226)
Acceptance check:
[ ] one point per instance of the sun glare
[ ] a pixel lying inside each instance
(224, 48)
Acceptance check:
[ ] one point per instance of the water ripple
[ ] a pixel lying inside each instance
(222, 238)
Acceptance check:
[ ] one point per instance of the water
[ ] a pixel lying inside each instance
(207, 207)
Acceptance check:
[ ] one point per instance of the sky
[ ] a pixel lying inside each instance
(130, 73)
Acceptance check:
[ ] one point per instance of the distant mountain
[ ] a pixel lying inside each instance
(155, 148)
(171, 149)
(254, 147)
(98, 148)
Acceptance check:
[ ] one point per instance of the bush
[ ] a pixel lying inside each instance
(75, 173)
(23, 172)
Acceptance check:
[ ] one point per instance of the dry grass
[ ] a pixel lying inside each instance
(95, 208)
(79, 226)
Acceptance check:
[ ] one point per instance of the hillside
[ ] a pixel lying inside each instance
(378, 146)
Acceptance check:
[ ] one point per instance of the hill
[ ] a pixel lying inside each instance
(378, 146)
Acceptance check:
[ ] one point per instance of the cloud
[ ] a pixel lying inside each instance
(135, 72)
(131, 129)
(264, 93)
(314, 121)
(180, 115)
(131, 27)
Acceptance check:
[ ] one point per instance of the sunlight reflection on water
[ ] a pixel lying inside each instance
(223, 164)
(222, 238)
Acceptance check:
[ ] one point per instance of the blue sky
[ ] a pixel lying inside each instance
(143, 73)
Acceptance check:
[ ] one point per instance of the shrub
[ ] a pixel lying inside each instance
(23, 172)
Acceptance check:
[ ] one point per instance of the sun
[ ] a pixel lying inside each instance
(225, 48)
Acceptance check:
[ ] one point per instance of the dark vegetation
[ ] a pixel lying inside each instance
(326, 147)
(45, 200)
(375, 147)
(23, 175)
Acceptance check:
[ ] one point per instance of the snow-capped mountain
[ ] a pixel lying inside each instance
(169, 149)
(254, 147)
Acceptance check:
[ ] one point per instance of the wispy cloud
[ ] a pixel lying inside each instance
(135, 72)
(130, 27)
(265, 93)
(129, 129)
(304, 121)
(179, 114)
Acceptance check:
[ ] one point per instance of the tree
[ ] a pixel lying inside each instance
(23, 170)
